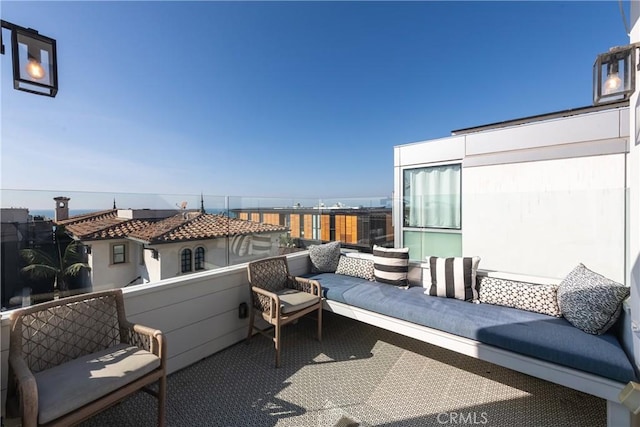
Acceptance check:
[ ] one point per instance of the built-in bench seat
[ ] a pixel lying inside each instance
(536, 344)
(533, 334)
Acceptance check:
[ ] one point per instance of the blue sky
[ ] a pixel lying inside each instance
(282, 99)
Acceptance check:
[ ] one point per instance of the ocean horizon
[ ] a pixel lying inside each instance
(50, 213)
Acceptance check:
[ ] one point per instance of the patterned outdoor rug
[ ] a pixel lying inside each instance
(358, 375)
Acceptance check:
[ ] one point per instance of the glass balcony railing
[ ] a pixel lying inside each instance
(60, 243)
(85, 241)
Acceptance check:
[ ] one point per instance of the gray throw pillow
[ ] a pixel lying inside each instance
(324, 258)
(590, 301)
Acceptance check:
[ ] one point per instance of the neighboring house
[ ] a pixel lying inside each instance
(132, 246)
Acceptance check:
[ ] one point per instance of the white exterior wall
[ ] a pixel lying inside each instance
(633, 162)
(150, 271)
(170, 256)
(108, 276)
(105, 275)
(545, 217)
(537, 198)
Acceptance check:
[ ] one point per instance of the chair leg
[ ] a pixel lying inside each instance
(320, 324)
(252, 315)
(276, 339)
(162, 401)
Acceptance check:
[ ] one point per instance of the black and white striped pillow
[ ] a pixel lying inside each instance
(261, 244)
(453, 277)
(240, 244)
(391, 265)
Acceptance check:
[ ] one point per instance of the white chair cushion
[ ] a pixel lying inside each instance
(292, 300)
(71, 385)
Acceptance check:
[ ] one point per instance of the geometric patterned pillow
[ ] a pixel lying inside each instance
(590, 301)
(453, 277)
(356, 267)
(524, 296)
(324, 258)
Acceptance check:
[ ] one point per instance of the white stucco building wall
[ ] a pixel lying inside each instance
(537, 198)
(104, 273)
(151, 263)
(633, 175)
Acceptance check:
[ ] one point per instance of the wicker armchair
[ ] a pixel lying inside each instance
(281, 298)
(73, 357)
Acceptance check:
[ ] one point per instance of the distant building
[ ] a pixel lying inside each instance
(355, 227)
(132, 246)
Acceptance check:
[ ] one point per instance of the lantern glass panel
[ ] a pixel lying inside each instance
(614, 78)
(35, 59)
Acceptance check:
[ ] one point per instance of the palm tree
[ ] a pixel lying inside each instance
(59, 269)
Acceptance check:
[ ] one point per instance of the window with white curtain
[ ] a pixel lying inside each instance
(431, 197)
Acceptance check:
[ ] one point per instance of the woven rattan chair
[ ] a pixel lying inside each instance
(73, 357)
(281, 298)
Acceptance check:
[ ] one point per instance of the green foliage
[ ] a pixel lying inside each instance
(41, 265)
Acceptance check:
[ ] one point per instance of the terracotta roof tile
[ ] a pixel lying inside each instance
(198, 226)
(181, 227)
(102, 225)
(89, 216)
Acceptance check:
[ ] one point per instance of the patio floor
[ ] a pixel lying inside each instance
(359, 373)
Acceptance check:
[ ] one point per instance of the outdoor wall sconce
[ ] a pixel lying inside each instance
(243, 310)
(614, 75)
(35, 66)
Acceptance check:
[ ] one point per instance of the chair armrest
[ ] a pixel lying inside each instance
(145, 337)
(307, 285)
(27, 390)
(274, 301)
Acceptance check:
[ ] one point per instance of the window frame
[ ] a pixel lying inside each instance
(430, 228)
(125, 253)
(184, 260)
(427, 229)
(199, 258)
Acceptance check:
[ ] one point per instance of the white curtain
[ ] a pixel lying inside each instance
(432, 197)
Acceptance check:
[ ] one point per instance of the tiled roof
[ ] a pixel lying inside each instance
(181, 227)
(88, 216)
(198, 226)
(102, 225)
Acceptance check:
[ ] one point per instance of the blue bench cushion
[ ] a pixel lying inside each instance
(533, 334)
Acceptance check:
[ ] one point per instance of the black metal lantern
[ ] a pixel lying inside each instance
(35, 67)
(614, 75)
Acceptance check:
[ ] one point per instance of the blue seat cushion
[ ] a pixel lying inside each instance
(533, 334)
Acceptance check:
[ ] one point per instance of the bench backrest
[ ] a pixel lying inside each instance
(49, 334)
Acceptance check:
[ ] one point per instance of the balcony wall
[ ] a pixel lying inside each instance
(197, 313)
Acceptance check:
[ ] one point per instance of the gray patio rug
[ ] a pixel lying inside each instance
(358, 375)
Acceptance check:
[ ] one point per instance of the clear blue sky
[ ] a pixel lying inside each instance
(288, 99)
